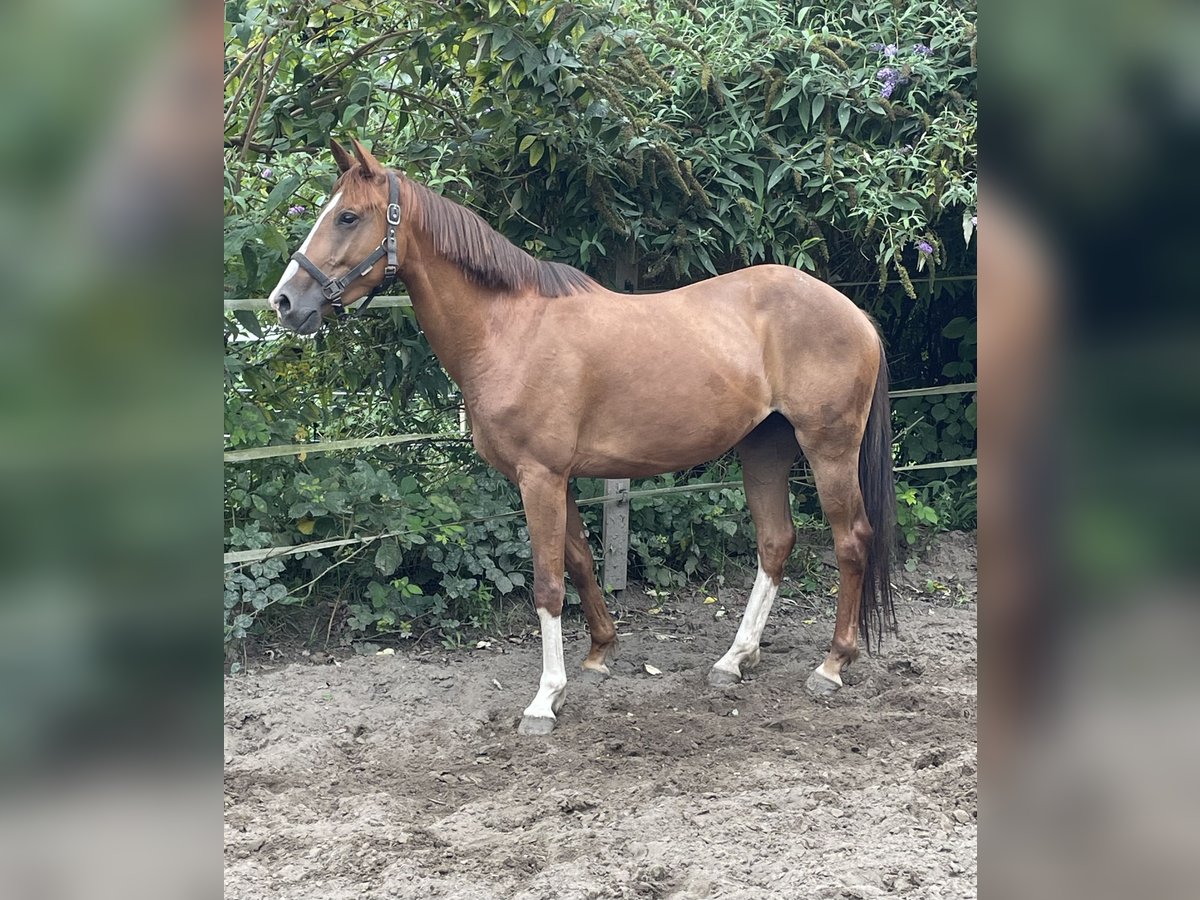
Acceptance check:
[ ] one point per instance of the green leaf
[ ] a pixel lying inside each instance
(535, 153)
(957, 327)
(818, 106)
(786, 97)
(776, 176)
(282, 191)
(248, 320)
(388, 556)
(843, 116)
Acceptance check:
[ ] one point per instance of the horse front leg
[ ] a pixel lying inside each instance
(543, 494)
(581, 568)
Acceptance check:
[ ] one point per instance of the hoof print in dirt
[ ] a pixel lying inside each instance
(719, 678)
(536, 725)
(820, 686)
(594, 676)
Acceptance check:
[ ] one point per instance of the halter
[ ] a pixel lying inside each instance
(333, 288)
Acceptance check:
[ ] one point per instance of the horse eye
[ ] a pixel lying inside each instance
(347, 218)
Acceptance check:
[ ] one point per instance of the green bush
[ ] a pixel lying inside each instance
(687, 138)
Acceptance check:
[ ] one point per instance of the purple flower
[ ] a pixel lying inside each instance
(925, 247)
(890, 51)
(294, 211)
(922, 50)
(268, 172)
(889, 78)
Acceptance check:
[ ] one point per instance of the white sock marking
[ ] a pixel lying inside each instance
(293, 267)
(823, 669)
(554, 671)
(758, 607)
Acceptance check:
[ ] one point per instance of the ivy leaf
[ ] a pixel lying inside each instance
(388, 556)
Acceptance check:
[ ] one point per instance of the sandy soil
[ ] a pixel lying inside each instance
(381, 776)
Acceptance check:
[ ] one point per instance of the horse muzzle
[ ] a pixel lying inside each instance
(300, 317)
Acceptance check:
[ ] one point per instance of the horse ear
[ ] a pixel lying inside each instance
(370, 165)
(341, 155)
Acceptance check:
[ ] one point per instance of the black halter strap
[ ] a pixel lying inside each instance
(334, 288)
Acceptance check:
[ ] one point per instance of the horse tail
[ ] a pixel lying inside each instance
(877, 483)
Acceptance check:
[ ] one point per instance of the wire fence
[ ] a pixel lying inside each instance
(245, 557)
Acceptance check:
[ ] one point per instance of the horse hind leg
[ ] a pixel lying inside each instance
(841, 499)
(767, 455)
(581, 568)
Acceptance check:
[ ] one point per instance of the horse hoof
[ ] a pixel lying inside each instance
(536, 725)
(820, 686)
(721, 678)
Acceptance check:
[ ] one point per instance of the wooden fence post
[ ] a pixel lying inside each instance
(616, 534)
(616, 512)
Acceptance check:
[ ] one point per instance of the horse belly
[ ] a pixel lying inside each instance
(669, 421)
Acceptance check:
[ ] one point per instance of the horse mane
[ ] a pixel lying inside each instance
(462, 237)
(486, 256)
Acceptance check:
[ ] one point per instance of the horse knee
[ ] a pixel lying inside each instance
(548, 594)
(773, 551)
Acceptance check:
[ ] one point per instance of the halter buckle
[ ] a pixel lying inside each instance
(389, 272)
(393, 213)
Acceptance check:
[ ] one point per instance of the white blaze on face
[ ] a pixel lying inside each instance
(293, 267)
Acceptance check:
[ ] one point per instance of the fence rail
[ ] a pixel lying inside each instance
(242, 557)
(277, 450)
(260, 304)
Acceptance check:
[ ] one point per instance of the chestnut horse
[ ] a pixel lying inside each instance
(564, 378)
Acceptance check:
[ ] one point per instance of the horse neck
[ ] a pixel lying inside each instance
(458, 316)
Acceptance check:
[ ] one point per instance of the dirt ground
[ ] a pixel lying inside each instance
(401, 775)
